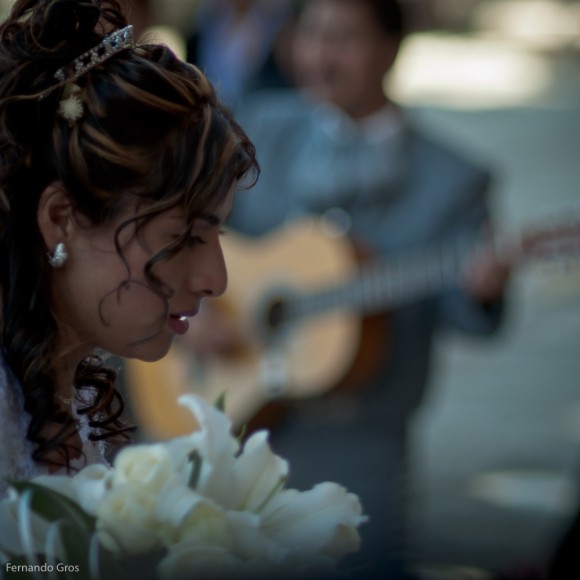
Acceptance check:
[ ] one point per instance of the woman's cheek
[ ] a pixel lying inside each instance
(134, 308)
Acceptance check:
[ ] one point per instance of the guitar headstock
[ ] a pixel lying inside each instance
(559, 242)
(555, 241)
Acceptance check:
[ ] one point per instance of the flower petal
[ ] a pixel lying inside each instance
(322, 520)
(259, 474)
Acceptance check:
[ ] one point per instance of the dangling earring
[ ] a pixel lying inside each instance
(59, 256)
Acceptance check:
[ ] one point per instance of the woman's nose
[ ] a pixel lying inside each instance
(209, 275)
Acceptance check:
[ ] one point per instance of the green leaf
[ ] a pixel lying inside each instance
(77, 544)
(53, 506)
(243, 432)
(220, 403)
(196, 461)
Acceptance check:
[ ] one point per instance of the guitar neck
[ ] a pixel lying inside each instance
(385, 285)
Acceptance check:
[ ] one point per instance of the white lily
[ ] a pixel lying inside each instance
(250, 543)
(184, 514)
(189, 559)
(200, 505)
(10, 534)
(323, 520)
(214, 447)
(259, 474)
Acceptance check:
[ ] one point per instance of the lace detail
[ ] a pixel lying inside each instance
(16, 451)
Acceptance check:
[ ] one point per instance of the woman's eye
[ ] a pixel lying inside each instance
(194, 241)
(190, 241)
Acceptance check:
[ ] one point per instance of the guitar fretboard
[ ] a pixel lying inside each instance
(385, 285)
(412, 276)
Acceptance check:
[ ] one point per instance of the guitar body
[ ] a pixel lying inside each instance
(300, 359)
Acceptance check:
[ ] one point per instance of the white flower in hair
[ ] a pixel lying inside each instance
(71, 106)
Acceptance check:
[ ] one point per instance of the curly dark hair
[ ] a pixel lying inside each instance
(151, 126)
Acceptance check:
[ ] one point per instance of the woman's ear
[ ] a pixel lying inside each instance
(55, 214)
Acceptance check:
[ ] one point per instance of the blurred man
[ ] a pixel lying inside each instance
(339, 148)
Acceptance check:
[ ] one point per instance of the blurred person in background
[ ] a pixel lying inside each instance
(339, 147)
(152, 24)
(238, 44)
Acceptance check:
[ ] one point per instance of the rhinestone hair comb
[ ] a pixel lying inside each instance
(110, 45)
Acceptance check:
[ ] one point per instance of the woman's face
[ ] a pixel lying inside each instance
(103, 300)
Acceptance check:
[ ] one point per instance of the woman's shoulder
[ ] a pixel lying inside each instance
(15, 450)
(11, 400)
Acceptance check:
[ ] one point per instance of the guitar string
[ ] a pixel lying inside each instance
(389, 283)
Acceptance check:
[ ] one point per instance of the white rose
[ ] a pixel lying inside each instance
(321, 521)
(206, 523)
(126, 519)
(90, 485)
(146, 465)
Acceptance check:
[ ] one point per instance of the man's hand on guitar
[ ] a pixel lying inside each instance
(487, 276)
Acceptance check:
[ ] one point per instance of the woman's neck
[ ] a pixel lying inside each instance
(65, 369)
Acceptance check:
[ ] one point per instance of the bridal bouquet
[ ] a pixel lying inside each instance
(197, 506)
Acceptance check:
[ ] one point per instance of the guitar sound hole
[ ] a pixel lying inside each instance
(275, 315)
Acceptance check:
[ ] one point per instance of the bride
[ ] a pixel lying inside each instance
(117, 171)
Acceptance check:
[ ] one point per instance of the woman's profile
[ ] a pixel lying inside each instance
(118, 168)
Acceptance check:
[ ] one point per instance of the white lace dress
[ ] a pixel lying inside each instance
(15, 450)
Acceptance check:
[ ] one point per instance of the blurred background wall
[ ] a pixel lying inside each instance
(498, 440)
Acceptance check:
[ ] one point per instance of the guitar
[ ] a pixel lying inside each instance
(299, 298)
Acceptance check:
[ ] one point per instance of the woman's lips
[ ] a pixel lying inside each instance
(179, 323)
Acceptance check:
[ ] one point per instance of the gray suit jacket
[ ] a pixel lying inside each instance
(402, 192)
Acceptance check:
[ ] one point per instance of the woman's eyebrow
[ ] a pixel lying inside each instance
(210, 218)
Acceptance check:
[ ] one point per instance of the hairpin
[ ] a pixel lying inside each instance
(109, 46)
(70, 107)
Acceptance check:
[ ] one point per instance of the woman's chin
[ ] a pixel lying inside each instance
(148, 352)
